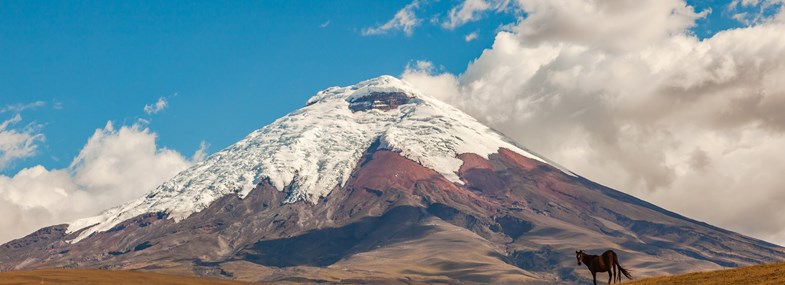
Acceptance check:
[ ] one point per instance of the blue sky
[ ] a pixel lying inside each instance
(226, 68)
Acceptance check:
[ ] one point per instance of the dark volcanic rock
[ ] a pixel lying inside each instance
(380, 101)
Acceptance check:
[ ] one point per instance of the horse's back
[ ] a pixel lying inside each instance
(609, 253)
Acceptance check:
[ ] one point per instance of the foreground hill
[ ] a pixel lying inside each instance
(766, 274)
(102, 277)
(378, 181)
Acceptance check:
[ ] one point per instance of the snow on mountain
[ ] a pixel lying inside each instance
(314, 149)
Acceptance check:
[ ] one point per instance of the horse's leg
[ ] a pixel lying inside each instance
(613, 269)
(594, 276)
(610, 271)
(609, 267)
(617, 273)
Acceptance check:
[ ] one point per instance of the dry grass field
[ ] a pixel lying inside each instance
(766, 274)
(97, 276)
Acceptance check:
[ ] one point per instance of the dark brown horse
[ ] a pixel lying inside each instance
(608, 261)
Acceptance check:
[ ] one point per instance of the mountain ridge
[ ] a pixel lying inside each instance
(308, 159)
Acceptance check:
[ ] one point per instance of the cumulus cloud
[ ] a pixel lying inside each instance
(114, 166)
(621, 92)
(156, 107)
(17, 143)
(404, 20)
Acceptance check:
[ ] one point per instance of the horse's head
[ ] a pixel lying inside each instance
(579, 256)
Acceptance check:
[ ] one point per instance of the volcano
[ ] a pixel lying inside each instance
(378, 182)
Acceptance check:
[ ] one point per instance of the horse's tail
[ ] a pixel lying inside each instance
(622, 270)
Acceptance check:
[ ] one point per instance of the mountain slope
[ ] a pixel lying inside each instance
(311, 151)
(375, 182)
(101, 277)
(767, 274)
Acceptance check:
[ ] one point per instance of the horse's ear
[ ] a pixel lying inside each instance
(577, 251)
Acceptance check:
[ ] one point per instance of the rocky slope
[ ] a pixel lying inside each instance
(378, 182)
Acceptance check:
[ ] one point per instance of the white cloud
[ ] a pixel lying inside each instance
(19, 107)
(471, 36)
(114, 166)
(622, 93)
(767, 11)
(325, 24)
(156, 107)
(470, 11)
(200, 153)
(404, 20)
(17, 143)
(604, 24)
(443, 86)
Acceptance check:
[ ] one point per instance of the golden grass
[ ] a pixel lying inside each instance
(98, 277)
(766, 274)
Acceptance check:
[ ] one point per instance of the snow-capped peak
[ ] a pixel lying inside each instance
(313, 150)
(382, 84)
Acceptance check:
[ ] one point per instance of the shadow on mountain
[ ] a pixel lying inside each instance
(327, 246)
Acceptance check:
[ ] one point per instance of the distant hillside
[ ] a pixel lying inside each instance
(100, 277)
(766, 274)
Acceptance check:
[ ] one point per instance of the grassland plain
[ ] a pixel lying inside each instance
(100, 277)
(766, 274)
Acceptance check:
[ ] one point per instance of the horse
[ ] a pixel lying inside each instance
(608, 261)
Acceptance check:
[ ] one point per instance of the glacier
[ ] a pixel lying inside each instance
(313, 150)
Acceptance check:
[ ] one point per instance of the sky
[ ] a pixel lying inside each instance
(675, 102)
